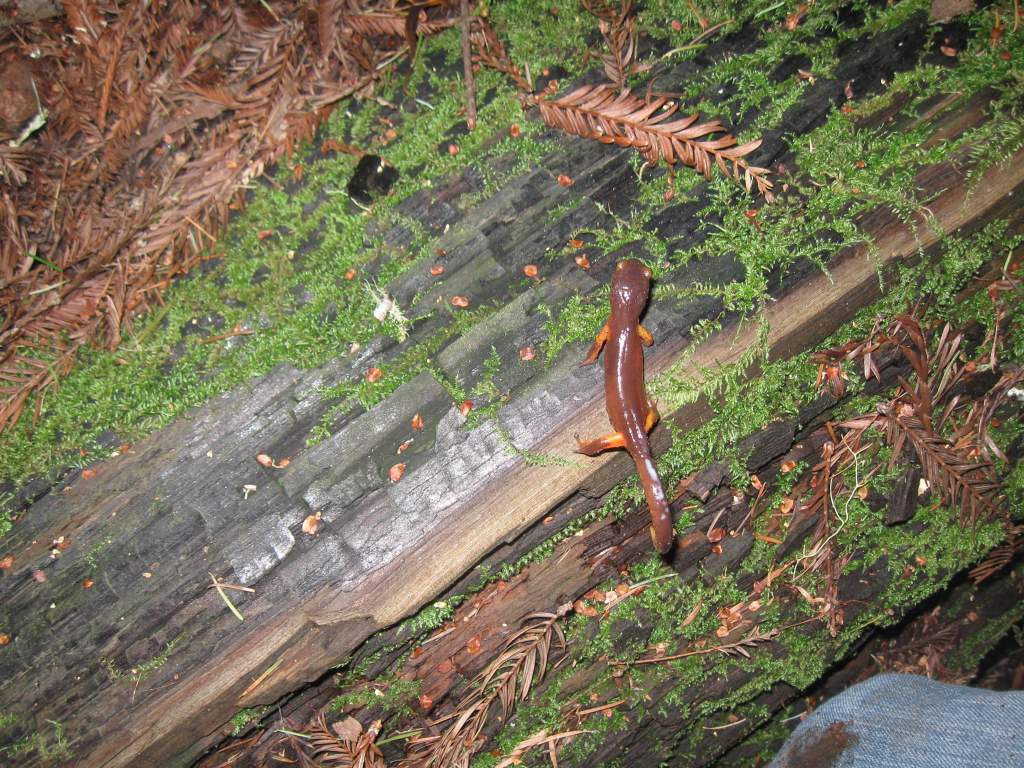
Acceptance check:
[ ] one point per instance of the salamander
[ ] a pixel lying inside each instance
(630, 410)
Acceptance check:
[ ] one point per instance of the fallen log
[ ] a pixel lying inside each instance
(118, 630)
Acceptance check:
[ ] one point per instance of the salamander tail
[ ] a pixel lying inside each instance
(662, 532)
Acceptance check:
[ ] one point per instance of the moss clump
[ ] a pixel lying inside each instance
(48, 747)
(246, 717)
(394, 697)
(141, 671)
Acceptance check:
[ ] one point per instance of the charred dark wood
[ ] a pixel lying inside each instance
(146, 665)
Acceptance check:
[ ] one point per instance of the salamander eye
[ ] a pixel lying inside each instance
(647, 273)
(620, 265)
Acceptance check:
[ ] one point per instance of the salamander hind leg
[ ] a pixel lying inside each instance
(652, 416)
(594, 447)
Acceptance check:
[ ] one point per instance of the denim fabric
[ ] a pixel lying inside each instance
(906, 721)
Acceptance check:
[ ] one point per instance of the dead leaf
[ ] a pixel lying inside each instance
(944, 10)
(460, 301)
(527, 353)
(437, 269)
(348, 729)
(473, 645)
(87, 583)
(39, 576)
(466, 407)
(404, 447)
(692, 615)
(350, 273)
(715, 535)
(396, 472)
(310, 525)
(88, 474)
(264, 460)
(514, 130)
(582, 262)
(373, 374)
(426, 703)
(417, 422)
(565, 180)
(6, 562)
(793, 20)
(4, 638)
(530, 270)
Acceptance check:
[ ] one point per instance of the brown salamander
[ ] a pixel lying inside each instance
(630, 411)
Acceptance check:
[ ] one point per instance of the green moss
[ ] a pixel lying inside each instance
(7, 511)
(140, 672)
(161, 370)
(580, 320)
(970, 654)
(48, 748)
(246, 717)
(395, 697)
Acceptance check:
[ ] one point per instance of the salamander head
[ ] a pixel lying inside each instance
(631, 283)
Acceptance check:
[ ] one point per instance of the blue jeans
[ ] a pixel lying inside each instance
(906, 721)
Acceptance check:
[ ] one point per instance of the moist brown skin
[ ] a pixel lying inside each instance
(630, 410)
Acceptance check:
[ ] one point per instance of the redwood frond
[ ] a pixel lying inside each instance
(655, 131)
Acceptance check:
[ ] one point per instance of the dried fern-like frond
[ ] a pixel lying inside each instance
(655, 131)
(970, 484)
(490, 52)
(360, 751)
(507, 679)
(14, 164)
(981, 414)
(618, 28)
(539, 739)
(741, 647)
(1000, 557)
(392, 24)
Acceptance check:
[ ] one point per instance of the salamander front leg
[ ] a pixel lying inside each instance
(645, 335)
(595, 348)
(594, 447)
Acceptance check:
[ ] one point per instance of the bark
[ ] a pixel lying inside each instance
(150, 528)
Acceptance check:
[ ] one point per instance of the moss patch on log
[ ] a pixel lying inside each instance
(280, 270)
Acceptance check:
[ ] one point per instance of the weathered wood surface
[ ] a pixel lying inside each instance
(444, 666)
(152, 523)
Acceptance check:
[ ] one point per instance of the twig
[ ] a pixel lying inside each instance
(755, 636)
(224, 596)
(467, 67)
(610, 705)
(723, 727)
(236, 331)
(259, 680)
(698, 39)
